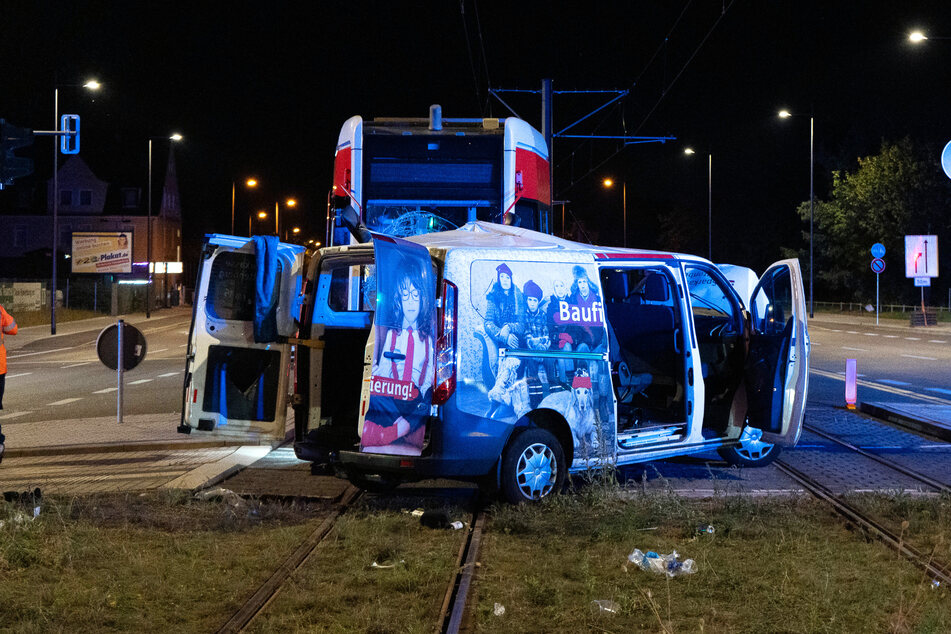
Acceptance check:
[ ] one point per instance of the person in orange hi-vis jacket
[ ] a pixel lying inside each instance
(8, 326)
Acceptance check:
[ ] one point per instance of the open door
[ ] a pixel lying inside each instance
(777, 369)
(237, 371)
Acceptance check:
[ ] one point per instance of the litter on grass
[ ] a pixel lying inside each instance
(669, 564)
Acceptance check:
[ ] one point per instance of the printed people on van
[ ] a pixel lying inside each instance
(586, 313)
(8, 326)
(558, 332)
(404, 370)
(533, 320)
(502, 306)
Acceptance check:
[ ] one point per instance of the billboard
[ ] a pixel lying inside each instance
(102, 252)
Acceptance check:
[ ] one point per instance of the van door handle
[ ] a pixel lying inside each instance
(677, 340)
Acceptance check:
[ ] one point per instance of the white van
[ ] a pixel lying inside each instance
(502, 355)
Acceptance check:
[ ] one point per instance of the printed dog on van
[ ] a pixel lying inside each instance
(577, 406)
(509, 389)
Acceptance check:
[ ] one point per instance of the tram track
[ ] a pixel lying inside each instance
(938, 571)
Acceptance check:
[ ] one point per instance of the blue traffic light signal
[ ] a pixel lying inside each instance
(69, 142)
(12, 166)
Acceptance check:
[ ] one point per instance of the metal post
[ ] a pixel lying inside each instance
(547, 132)
(811, 207)
(877, 276)
(624, 205)
(55, 209)
(119, 370)
(277, 219)
(232, 207)
(710, 207)
(148, 248)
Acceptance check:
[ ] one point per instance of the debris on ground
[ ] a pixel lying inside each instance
(669, 564)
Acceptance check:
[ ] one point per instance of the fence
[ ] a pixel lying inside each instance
(86, 293)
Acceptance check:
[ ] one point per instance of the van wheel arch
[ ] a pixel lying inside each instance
(554, 422)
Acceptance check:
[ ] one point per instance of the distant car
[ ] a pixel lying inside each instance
(638, 355)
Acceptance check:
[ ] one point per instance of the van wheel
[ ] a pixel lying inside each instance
(533, 466)
(750, 451)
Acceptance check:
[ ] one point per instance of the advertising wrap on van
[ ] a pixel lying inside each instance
(538, 342)
(401, 381)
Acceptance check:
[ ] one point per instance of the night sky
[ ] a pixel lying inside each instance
(262, 89)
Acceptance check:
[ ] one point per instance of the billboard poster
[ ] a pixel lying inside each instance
(403, 362)
(102, 252)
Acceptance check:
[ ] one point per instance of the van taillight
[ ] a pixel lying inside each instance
(446, 345)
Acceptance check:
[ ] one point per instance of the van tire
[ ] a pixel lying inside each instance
(533, 466)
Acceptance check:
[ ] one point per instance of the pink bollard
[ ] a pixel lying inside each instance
(850, 387)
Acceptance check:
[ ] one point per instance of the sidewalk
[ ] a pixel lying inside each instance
(867, 320)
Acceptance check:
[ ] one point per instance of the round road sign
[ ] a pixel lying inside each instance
(133, 344)
(878, 250)
(946, 159)
(878, 265)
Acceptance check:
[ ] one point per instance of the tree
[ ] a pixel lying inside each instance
(898, 191)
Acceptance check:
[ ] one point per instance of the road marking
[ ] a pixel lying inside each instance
(870, 334)
(937, 341)
(852, 332)
(13, 415)
(159, 350)
(75, 365)
(913, 338)
(835, 330)
(915, 356)
(183, 345)
(883, 388)
(140, 381)
(856, 349)
(106, 391)
(13, 376)
(162, 376)
(65, 401)
(944, 446)
(33, 354)
(893, 382)
(890, 336)
(939, 390)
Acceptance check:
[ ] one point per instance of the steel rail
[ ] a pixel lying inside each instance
(911, 473)
(936, 571)
(454, 604)
(269, 589)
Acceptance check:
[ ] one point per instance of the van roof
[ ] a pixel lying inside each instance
(488, 235)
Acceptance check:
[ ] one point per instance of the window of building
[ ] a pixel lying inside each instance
(85, 198)
(65, 197)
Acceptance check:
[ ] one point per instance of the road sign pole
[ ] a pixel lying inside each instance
(119, 373)
(877, 275)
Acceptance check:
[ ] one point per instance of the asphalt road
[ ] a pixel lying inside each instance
(893, 363)
(55, 378)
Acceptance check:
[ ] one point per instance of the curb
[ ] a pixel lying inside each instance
(907, 422)
(117, 447)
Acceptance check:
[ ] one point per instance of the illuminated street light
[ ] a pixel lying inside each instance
(296, 230)
(785, 114)
(250, 183)
(609, 183)
(290, 202)
(917, 36)
(175, 138)
(689, 151)
(261, 216)
(92, 84)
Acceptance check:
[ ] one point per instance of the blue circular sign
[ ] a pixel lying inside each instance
(878, 265)
(878, 250)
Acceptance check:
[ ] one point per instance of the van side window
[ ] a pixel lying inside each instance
(771, 318)
(231, 286)
(714, 307)
(352, 289)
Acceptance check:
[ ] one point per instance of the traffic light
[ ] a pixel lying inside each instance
(69, 142)
(11, 165)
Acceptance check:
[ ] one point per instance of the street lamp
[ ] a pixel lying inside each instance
(785, 114)
(688, 151)
(290, 202)
(148, 229)
(92, 84)
(608, 184)
(250, 183)
(261, 215)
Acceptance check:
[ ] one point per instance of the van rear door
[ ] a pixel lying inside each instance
(237, 369)
(777, 368)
